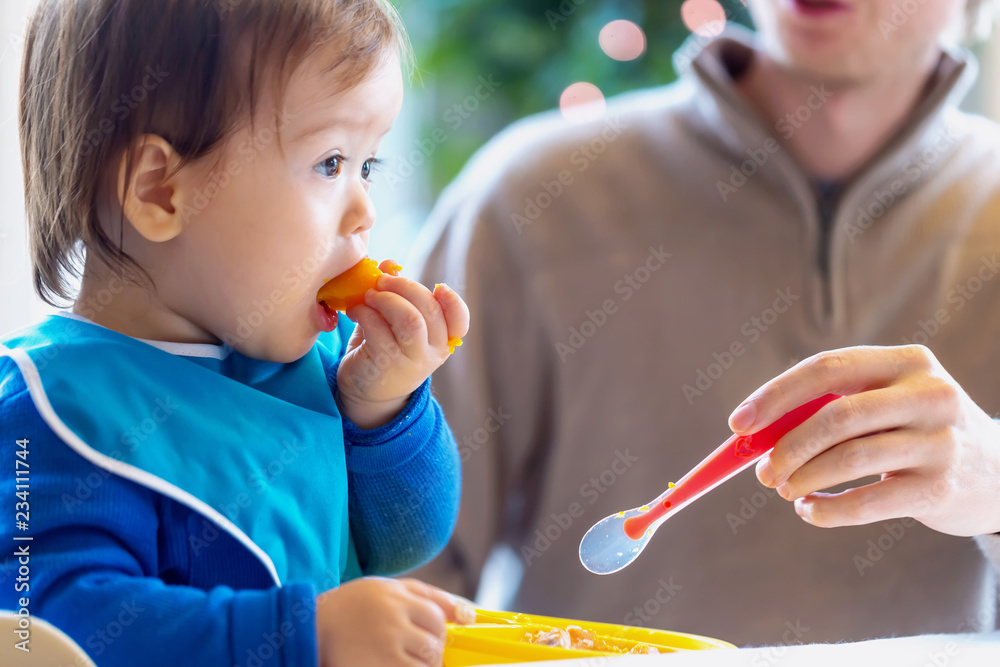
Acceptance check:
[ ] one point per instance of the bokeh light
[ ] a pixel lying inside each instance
(622, 40)
(703, 17)
(582, 101)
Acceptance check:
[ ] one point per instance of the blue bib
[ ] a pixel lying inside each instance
(257, 447)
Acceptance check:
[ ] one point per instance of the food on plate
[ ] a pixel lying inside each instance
(556, 637)
(575, 637)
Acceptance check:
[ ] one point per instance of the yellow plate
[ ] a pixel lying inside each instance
(498, 638)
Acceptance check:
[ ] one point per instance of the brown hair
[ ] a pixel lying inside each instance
(98, 74)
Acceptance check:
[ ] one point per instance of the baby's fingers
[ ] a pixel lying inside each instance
(424, 648)
(427, 616)
(371, 327)
(406, 320)
(389, 266)
(456, 312)
(456, 609)
(424, 301)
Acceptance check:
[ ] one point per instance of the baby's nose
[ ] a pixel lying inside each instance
(360, 214)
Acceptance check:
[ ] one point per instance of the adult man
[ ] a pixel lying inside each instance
(633, 279)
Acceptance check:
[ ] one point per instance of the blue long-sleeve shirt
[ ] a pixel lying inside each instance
(127, 572)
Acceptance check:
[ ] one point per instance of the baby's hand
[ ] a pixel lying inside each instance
(385, 622)
(403, 337)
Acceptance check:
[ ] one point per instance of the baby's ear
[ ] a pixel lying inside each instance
(151, 201)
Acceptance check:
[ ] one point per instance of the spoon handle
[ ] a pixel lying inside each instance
(731, 457)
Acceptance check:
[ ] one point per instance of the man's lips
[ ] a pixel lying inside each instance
(819, 7)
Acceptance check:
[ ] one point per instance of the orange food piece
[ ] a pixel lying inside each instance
(348, 289)
(453, 343)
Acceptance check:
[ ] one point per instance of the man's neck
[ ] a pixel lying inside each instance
(831, 130)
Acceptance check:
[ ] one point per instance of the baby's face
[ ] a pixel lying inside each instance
(269, 229)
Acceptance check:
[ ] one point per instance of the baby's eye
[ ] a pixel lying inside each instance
(330, 167)
(370, 165)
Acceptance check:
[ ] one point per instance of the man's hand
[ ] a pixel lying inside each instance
(903, 417)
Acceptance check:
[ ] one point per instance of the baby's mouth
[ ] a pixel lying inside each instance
(324, 317)
(347, 289)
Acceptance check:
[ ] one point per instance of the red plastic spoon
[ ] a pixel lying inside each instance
(615, 541)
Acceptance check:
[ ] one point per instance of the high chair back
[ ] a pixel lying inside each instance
(48, 645)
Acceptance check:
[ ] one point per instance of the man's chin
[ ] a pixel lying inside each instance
(834, 70)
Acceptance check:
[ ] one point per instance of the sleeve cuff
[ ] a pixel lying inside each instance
(411, 413)
(387, 447)
(276, 627)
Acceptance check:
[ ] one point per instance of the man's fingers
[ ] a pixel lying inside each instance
(895, 496)
(845, 371)
(861, 457)
(846, 418)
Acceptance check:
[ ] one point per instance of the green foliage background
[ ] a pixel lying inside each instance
(534, 48)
